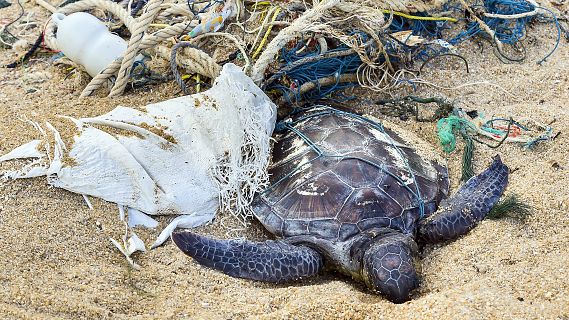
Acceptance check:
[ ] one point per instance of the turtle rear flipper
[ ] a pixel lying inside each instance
(270, 261)
(468, 206)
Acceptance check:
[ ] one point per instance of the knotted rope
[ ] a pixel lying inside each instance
(199, 62)
(139, 41)
(139, 29)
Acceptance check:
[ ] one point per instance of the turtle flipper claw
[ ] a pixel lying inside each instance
(468, 206)
(270, 261)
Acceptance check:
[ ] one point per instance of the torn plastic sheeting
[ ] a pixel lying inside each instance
(187, 155)
(183, 221)
(28, 150)
(137, 218)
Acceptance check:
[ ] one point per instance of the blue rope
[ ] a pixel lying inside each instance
(508, 31)
(558, 35)
(313, 71)
(425, 29)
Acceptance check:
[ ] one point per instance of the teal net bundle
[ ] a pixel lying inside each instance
(496, 129)
(447, 128)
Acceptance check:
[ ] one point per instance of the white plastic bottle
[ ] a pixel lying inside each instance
(86, 40)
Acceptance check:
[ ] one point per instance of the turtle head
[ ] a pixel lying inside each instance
(388, 267)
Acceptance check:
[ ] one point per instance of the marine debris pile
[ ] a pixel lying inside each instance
(296, 51)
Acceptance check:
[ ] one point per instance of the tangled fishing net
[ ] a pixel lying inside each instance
(297, 51)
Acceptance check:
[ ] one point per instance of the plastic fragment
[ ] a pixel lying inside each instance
(28, 150)
(137, 218)
(185, 221)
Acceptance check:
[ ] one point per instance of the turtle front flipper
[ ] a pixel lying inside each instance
(271, 261)
(468, 206)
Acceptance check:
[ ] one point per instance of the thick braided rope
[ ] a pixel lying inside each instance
(130, 22)
(151, 40)
(198, 62)
(140, 27)
(238, 44)
(288, 34)
(175, 10)
(101, 78)
(192, 59)
(148, 41)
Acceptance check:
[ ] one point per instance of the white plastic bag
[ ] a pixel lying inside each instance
(187, 155)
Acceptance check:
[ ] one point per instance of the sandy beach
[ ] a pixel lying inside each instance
(57, 261)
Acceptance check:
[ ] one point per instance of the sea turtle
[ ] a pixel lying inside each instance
(348, 194)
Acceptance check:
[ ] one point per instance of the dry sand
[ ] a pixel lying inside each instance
(57, 263)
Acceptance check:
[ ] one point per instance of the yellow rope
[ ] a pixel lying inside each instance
(408, 16)
(261, 3)
(196, 77)
(262, 44)
(198, 80)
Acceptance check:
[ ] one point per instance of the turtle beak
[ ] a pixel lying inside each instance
(388, 267)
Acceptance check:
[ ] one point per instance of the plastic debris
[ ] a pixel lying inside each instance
(213, 23)
(188, 155)
(95, 55)
(184, 221)
(28, 150)
(137, 218)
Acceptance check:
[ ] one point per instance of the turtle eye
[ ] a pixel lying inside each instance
(388, 268)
